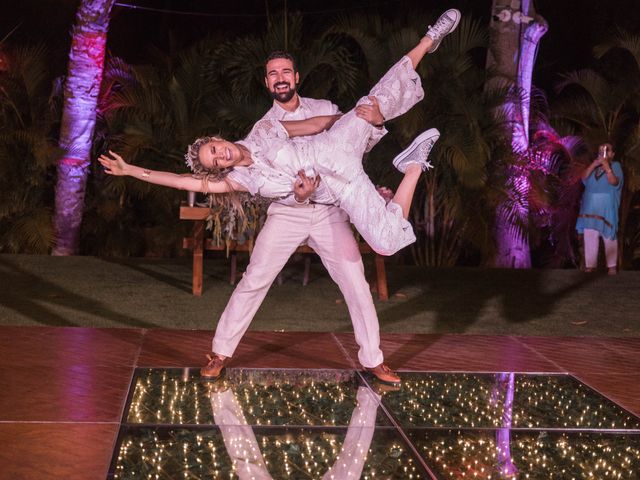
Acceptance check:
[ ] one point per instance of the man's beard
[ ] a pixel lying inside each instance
(283, 97)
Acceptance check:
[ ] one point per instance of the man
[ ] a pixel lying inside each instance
(293, 221)
(325, 228)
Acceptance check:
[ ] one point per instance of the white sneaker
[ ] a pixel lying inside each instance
(446, 24)
(418, 152)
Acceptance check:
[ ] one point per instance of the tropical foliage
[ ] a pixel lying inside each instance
(453, 209)
(27, 152)
(150, 112)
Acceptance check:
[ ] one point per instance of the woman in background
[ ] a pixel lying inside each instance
(598, 216)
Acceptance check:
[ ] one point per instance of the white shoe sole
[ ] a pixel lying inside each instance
(431, 134)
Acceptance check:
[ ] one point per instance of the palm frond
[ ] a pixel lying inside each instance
(32, 232)
(33, 70)
(623, 40)
(470, 34)
(365, 31)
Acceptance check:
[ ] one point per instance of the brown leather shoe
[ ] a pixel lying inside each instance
(384, 374)
(214, 366)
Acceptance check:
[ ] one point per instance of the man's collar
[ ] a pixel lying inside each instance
(301, 104)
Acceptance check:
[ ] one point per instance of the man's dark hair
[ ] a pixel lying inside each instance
(280, 54)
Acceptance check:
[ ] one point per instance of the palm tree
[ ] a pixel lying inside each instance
(515, 31)
(81, 90)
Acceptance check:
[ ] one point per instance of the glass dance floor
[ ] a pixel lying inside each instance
(340, 424)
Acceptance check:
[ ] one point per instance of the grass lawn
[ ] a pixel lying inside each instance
(156, 293)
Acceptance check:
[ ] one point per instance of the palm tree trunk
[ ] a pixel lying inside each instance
(82, 86)
(515, 31)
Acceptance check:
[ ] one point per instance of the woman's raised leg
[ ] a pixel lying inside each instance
(407, 187)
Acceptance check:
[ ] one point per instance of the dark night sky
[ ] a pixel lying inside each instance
(575, 25)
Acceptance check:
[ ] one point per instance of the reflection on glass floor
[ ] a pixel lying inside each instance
(266, 397)
(326, 424)
(265, 453)
(504, 453)
(465, 400)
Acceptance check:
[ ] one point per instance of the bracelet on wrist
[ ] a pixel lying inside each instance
(303, 202)
(145, 173)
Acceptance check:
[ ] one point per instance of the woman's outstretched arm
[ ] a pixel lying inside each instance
(118, 167)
